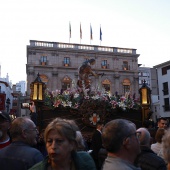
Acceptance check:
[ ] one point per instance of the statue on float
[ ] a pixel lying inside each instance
(84, 71)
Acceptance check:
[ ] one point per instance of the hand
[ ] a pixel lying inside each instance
(32, 107)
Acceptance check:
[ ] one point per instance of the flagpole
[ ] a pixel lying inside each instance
(90, 33)
(80, 33)
(69, 31)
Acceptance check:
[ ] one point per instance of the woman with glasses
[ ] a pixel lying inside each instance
(61, 145)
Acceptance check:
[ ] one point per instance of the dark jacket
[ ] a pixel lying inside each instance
(96, 143)
(148, 160)
(82, 161)
(19, 156)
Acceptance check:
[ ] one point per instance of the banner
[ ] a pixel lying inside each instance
(80, 32)
(2, 101)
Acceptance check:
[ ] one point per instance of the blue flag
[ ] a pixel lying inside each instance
(100, 34)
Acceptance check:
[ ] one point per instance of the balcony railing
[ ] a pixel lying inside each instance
(82, 47)
(165, 92)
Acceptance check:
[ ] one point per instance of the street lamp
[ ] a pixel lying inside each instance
(37, 90)
(37, 96)
(145, 99)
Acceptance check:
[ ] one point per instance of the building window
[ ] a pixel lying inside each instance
(66, 61)
(125, 65)
(165, 88)
(126, 86)
(140, 82)
(166, 104)
(66, 83)
(164, 69)
(43, 60)
(145, 74)
(104, 63)
(106, 85)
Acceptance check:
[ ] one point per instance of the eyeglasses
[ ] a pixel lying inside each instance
(35, 129)
(137, 134)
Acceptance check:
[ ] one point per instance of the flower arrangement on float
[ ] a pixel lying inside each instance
(74, 98)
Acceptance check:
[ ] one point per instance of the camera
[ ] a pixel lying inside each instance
(25, 105)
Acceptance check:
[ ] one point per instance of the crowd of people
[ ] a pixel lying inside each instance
(116, 145)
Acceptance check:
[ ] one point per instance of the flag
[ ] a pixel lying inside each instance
(100, 34)
(91, 33)
(80, 32)
(70, 29)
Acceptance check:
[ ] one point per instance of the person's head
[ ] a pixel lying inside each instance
(166, 145)
(162, 122)
(92, 61)
(23, 129)
(159, 134)
(80, 141)
(5, 122)
(60, 139)
(144, 137)
(119, 137)
(99, 125)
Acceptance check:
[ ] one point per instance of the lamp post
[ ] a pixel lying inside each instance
(7, 104)
(37, 95)
(145, 99)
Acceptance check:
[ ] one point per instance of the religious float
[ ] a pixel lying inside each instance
(87, 104)
(87, 107)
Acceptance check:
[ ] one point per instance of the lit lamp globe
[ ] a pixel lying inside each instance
(145, 100)
(37, 90)
(145, 94)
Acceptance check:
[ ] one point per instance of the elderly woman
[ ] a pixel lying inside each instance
(61, 145)
(166, 147)
(157, 147)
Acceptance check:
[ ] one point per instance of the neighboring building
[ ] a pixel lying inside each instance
(163, 72)
(18, 99)
(21, 87)
(6, 96)
(150, 76)
(58, 63)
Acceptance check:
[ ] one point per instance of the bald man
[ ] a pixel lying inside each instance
(147, 159)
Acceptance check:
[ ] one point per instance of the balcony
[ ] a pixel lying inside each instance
(165, 92)
(166, 107)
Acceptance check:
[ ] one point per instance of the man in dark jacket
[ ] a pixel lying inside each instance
(20, 155)
(147, 159)
(96, 144)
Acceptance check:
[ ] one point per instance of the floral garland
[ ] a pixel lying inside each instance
(74, 97)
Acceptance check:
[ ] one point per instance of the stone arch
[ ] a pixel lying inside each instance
(44, 78)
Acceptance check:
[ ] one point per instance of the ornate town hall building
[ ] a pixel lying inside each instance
(58, 63)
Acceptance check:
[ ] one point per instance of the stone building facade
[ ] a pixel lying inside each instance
(58, 63)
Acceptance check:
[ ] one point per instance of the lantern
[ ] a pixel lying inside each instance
(37, 90)
(145, 99)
